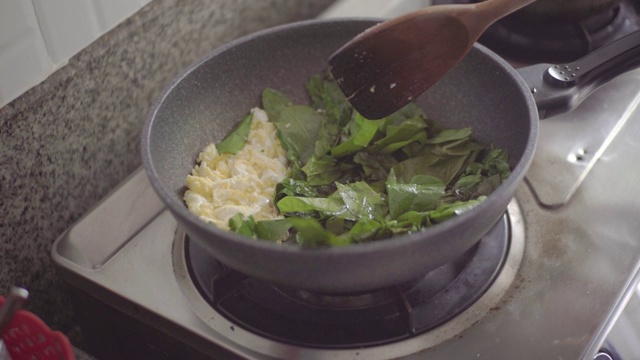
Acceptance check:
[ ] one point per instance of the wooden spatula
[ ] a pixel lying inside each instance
(391, 63)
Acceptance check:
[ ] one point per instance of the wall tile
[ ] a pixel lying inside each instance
(67, 26)
(70, 140)
(39, 36)
(23, 55)
(110, 13)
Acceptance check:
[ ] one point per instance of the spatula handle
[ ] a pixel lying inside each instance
(560, 88)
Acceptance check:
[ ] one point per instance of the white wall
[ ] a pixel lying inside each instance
(39, 36)
(373, 8)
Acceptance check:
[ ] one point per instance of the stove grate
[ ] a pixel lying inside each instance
(335, 321)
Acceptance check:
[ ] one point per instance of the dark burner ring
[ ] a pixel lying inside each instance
(526, 39)
(339, 321)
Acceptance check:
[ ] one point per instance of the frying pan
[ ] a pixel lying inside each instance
(204, 103)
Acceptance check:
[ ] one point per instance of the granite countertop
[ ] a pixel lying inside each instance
(70, 140)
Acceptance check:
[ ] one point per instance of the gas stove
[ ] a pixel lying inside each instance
(550, 280)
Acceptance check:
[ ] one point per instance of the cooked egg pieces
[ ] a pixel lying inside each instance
(222, 185)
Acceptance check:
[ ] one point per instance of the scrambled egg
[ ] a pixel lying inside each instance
(222, 185)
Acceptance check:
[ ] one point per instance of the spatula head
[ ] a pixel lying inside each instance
(392, 63)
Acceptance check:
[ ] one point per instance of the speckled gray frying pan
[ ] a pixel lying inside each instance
(203, 104)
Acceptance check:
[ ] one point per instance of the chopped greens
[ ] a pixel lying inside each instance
(356, 180)
(235, 141)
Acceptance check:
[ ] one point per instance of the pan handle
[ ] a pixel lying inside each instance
(560, 88)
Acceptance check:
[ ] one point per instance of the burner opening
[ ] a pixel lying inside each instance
(310, 319)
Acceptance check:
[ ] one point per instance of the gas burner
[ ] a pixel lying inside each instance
(334, 321)
(534, 37)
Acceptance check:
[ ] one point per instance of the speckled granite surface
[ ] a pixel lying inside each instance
(67, 142)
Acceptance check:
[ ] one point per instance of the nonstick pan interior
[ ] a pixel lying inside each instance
(205, 102)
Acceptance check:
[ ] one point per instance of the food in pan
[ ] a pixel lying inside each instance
(325, 175)
(238, 175)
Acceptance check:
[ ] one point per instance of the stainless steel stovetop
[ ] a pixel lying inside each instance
(571, 267)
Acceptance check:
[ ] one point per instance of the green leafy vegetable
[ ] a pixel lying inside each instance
(450, 135)
(298, 204)
(326, 95)
(355, 180)
(243, 225)
(275, 230)
(447, 211)
(422, 192)
(299, 126)
(361, 200)
(235, 141)
(311, 233)
(375, 166)
(362, 132)
(274, 102)
(401, 135)
(325, 170)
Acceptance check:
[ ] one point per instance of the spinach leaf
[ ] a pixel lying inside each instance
(329, 206)
(311, 233)
(398, 136)
(466, 186)
(468, 182)
(422, 193)
(274, 102)
(362, 201)
(368, 229)
(295, 187)
(443, 168)
(489, 184)
(375, 166)
(355, 180)
(242, 225)
(325, 170)
(337, 225)
(326, 95)
(456, 147)
(236, 139)
(274, 230)
(328, 136)
(298, 126)
(409, 111)
(362, 132)
(450, 135)
(447, 211)
(419, 136)
(495, 162)
(414, 220)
